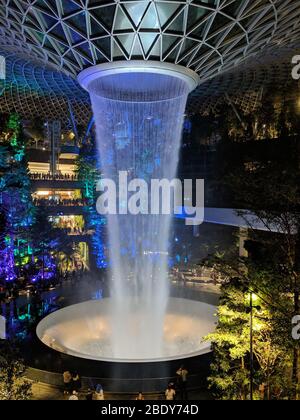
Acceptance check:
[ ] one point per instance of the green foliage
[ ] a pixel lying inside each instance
(276, 115)
(87, 171)
(13, 385)
(230, 371)
(4, 158)
(15, 191)
(89, 174)
(230, 375)
(28, 231)
(269, 190)
(47, 240)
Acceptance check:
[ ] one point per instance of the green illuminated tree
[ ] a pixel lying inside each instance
(15, 193)
(230, 378)
(230, 371)
(89, 174)
(269, 190)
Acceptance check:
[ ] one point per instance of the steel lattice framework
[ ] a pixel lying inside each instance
(48, 42)
(33, 90)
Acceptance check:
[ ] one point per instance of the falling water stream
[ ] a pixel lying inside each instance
(139, 118)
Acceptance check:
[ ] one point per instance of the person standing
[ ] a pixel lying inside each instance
(76, 382)
(170, 393)
(89, 395)
(74, 396)
(67, 382)
(140, 397)
(182, 380)
(98, 394)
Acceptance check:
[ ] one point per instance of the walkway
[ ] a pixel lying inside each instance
(43, 392)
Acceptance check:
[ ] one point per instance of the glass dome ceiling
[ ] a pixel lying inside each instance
(47, 43)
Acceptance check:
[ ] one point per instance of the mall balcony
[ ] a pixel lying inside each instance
(65, 176)
(58, 181)
(62, 207)
(80, 235)
(56, 188)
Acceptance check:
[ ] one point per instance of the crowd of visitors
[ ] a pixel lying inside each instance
(53, 177)
(54, 202)
(76, 231)
(175, 390)
(10, 291)
(200, 275)
(73, 385)
(9, 294)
